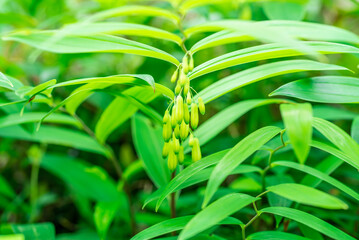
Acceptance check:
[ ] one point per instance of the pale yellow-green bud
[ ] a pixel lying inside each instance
(174, 76)
(191, 138)
(166, 117)
(184, 130)
(177, 131)
(181, 155)
(172, 161)
(186, 88)
(185, 113)
(166, 149)
(196, 150)
(189, 99)
(201, 106)
(182, 79)
(175, 144)
(194, 115)
(177, 89)
(185, 64)
(173, 116)
(179, 109)
(191, 63)
(167, 132)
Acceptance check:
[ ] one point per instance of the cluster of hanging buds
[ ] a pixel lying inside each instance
(179, 121)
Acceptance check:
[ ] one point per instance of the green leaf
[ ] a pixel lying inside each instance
(85, 179)
(103, 216)
(338, 137)
(236, 156)
(38, 231)
(16, 119)
(296, 29)
(6, 189)
(298, 119)
(59, 42)
(217, 123)
(198, 177)
(56, 135)
(13, 237)
(263, 52)
(337, 153)
(310, 221)
(259, 73)
(284, 10)
(112, 118)
(148, 143)
(307, 195)
(273, 235)
(131, 29)
(188, 172)
(5, 80)
(130, 10)
(172, 225)
(214, 213)
(325, 89)
(355, 129)
(318, 174)
(150, 112)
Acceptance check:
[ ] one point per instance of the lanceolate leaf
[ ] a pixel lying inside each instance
(215, 213)
(111, 118)
(298, 123)
(56, 135)
(130, 10)
(355, 129)
(85, 179)
(320, 175)
(188, 172)
(310, 221)
(307, 195)
(85, 29)
(175, 224)
(265, 51)
(15, 119)
(336, 152)
(148, 143)
(200, 176)
(236, 156)
(223, 119)
(273, 235)
(338, 137)
(259, 73)
(58, 42)
(31, 231)
(296, 29)
(325, 89)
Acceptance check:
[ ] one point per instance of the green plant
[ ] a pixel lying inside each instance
(279, 194)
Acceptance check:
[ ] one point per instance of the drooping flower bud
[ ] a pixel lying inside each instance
(167, 132)
(186, 88)
(175, 144)
(184, 130)
(179, 109)
(172, 161)
(185, 64)
(174, 116)
(194, 115)
(185, 113)
(166, 149)
(177, 131)
(181, 155)
(174, 76)
(196, 151)
(166, 117)
(201, 106)
(177, 89)
(191, 138)
(189, 99)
